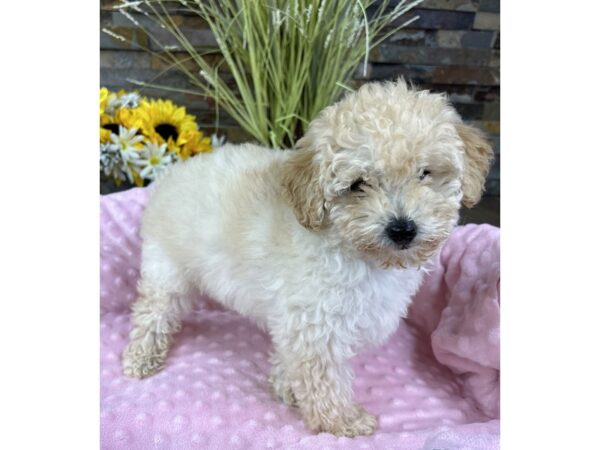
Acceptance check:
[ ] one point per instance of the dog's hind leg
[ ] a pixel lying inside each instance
(157, 313)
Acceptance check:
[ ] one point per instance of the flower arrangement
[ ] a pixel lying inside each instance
(281, 61)
(140, 138)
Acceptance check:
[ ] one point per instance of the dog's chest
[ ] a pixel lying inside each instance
(382, 299)
(365, 304)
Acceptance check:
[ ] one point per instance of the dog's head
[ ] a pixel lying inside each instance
(385, 169)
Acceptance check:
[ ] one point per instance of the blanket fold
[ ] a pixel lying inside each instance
(459, 306)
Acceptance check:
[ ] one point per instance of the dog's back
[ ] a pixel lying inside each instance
(216, 216)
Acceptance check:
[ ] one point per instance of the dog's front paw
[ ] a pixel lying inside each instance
(141, 362)
(354, 422)
(357, 422)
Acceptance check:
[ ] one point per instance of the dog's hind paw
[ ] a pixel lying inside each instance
(141, 362)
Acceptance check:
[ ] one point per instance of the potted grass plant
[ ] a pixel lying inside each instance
(281, 61)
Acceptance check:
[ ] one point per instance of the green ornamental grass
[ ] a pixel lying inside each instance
(282, 61)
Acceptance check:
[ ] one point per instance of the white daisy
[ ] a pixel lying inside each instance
(112, 103)
(130, 100)
(155, 160)
(217, 141)
(110, 161)
(126, 141)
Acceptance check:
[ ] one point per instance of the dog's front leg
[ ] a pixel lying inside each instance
(316, 365)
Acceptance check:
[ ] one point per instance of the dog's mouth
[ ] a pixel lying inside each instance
(413, 252)
(400, 246)
(409, 254)
(404, 246)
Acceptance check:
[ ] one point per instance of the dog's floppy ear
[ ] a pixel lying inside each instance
(478, 156)
(301, 187)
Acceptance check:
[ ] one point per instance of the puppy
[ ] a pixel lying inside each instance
(323, 245)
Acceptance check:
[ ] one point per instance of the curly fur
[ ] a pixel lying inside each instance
(280, 238)
(478, 153)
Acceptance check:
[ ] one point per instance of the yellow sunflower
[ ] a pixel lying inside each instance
(104, 135)
(126, 117)
(103, 100)
(194, 142)
(104, 118)
(165, 123)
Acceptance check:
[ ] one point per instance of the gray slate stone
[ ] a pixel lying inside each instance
(489, 5)
(433, 19)
(390, 53)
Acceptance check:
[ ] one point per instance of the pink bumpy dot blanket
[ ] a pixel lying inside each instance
(433, 385)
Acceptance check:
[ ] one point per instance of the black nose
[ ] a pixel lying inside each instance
(401, 231)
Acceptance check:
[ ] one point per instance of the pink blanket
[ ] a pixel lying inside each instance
(433, 385)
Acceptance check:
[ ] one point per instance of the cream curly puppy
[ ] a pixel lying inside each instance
(323, 246)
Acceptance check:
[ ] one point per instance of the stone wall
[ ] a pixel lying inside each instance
(453, 47)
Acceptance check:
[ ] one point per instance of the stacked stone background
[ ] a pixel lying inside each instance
(453, 47)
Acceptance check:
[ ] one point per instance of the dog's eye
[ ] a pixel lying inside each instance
(424, 174)
(357, 185)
